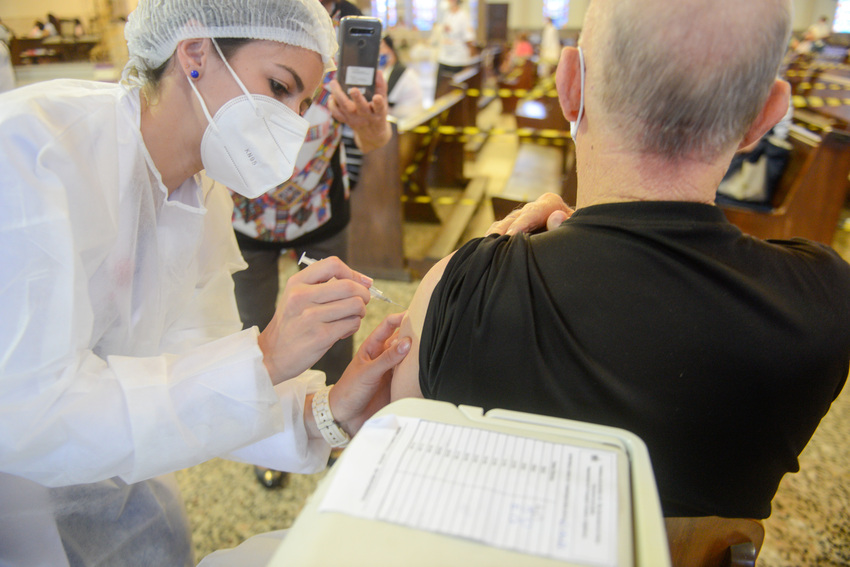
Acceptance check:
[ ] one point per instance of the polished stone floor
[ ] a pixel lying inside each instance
(810, 524)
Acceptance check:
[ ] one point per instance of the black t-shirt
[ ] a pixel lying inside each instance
(721, 351)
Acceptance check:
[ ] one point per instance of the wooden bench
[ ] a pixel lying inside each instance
(376, 238)
(545, 161)
(521, 78)
(450, 150)
(393, 186)
(419, 136)
(23, 50)
(810, 195)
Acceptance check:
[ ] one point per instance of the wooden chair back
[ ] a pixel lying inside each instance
(712, 541)
(812, 192)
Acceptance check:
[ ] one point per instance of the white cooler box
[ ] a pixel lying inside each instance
(427, 483)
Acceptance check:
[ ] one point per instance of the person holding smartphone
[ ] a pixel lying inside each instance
(310, 211)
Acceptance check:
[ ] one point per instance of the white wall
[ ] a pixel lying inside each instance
(806, 12)
(528, 14)
(577, 10)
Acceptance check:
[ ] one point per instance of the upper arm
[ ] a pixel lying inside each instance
(405, 382)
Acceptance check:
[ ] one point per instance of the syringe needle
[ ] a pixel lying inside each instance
(373, 291)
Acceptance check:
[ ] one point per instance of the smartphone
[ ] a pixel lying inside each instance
(359, 47)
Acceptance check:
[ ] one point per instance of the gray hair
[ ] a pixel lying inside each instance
(689, 80)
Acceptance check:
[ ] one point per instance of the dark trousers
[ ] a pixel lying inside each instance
(258, 286)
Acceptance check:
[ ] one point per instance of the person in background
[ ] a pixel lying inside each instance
(455, 41)
(79, 30)
(646, 309)
(813, 38)
(340, 8)
(122, 356)
(51, 26)
(7, 72)
(37, 31)
(521, 51)
(404, 89)
(309, 213)
(550, 48)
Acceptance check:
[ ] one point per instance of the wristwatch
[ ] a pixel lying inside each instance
(330, 429)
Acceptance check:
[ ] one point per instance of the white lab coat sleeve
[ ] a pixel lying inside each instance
(290, 450)
(69, 416)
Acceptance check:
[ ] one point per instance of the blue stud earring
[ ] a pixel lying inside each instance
(194, 74)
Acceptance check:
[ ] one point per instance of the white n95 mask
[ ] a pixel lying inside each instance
(251, 144)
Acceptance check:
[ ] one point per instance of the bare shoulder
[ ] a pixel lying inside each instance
(406, 376)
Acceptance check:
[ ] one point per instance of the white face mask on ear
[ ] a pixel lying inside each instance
(574, 125)
(251, 144)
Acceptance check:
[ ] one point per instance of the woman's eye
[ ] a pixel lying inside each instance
(277, 88)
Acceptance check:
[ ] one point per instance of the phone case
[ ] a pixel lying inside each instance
(360, 43)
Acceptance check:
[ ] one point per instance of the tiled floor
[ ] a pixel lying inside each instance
(810, 525)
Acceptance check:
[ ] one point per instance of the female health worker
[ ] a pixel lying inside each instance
(121, 351)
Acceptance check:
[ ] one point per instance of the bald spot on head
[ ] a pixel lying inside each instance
(683, 78)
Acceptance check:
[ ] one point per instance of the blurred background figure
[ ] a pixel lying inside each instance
(813, 38)
(37, 30)
(455, 39)
(403, 86)
(7, 74)
(51, 26)
(521, 51)
(550, 49)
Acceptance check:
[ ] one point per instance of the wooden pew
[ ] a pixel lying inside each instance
(376, 238)
(450, 151)
(545, 161)
(810, 195)
(25, 50)
(523, 77)
(418, 138)
(393, 186)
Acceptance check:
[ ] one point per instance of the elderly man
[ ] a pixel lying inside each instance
(646, 309)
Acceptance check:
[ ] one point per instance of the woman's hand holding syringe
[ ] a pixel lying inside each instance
(373, 291)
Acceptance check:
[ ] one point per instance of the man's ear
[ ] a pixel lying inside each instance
(568, 83)
(771, 113)
(192, 54)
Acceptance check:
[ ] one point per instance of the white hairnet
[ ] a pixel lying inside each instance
(156, 26)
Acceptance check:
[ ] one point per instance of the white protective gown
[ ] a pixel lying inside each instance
(7, 72)
(121, 354)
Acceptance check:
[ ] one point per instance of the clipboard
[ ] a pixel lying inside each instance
(320, 538)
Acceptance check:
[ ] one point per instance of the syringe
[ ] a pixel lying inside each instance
(375, 292)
